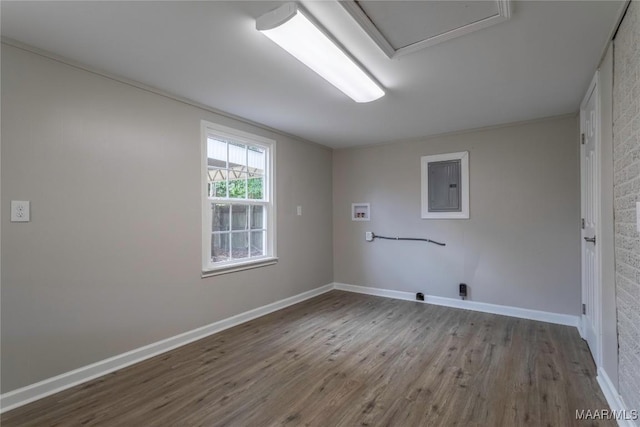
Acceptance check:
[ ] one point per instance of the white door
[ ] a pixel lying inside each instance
(590, 167)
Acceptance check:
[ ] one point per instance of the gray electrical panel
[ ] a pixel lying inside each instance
(444, 186)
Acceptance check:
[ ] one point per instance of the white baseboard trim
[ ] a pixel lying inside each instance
(581, 329)
(615, 400)
(523, 313)
(33, 392)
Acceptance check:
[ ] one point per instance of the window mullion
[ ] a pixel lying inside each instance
(226, 179)
(238, 201)
(230, 243)
(250, 209)
(246, 175)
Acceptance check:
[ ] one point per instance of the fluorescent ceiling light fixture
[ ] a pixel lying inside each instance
(288, 27)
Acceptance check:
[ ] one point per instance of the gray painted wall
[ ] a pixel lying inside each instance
(626, 170)
(111, 259)
(521, 246)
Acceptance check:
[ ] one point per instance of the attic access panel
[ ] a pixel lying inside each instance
(402, 27)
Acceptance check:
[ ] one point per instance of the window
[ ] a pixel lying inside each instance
(445, 186)
(238, 200)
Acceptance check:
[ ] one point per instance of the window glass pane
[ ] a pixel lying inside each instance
(216, 174)
(257, 217)
(257, 243)
(255, 188)
(237, 157)
(216, 152)
(220, 217)
(220, 247)
(237, 185)
(217, 182)
(240, 218)
(219, 189)
(240, 245)
(256, 160)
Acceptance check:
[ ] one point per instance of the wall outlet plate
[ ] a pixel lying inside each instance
(20, 211)
(360, 211)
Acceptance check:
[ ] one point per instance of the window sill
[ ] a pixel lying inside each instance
(263, 262)
(445, 215)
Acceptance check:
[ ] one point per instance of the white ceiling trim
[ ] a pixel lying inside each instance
(351, 6)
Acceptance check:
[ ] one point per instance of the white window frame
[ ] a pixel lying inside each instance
(270, 257)
(463, 156)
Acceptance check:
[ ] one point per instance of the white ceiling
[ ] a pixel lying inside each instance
(537, 64)
(407, 22)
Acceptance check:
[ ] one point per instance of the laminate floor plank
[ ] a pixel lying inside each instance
(345, 359)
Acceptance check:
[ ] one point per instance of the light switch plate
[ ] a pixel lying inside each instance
(20, 211)
(299, 210)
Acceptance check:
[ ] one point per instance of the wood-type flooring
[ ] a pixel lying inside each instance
(346, 359)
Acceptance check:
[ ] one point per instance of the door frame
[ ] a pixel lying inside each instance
(597, 309)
